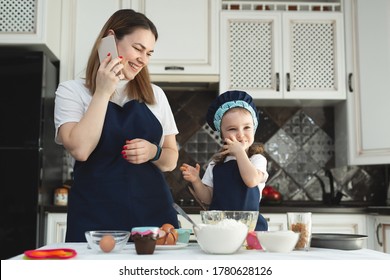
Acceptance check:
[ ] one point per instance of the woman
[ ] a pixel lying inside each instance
(236, 176)
(120, 130)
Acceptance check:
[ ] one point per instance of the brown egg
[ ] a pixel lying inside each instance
(168, 235)
(107, 243)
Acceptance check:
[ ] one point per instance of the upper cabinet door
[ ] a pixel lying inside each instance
(282, 54)
(368, 66)
(31, 22)
(250, 54)
(313, 56)
(188, 36)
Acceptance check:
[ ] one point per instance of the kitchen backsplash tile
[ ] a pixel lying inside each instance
(298, 142)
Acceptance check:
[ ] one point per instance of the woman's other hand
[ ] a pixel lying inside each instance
(138, 151)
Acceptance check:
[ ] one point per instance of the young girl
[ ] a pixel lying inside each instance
(236, 176)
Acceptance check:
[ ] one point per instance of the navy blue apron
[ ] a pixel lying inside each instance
(109, 193)
(231, 193)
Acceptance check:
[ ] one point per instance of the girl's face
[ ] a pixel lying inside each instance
(136, 49)
(238, 123)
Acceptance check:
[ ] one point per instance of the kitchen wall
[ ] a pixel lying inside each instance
(298, 141)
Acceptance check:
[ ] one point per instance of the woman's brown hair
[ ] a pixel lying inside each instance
(124, 22)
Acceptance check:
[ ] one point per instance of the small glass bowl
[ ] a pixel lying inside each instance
(249, 218)
(121, 237)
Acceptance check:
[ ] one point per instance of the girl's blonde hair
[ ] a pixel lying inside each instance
(124, 22)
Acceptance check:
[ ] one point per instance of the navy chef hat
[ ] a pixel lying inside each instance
(229, 100)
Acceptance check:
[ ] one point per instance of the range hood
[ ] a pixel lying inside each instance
(186, 82)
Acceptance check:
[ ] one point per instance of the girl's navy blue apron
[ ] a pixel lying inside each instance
(231, 193)
(109, 193)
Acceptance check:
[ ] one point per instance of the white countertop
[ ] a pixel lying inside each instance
(193, 252)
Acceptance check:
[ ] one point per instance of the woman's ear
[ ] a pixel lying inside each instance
(110, 32)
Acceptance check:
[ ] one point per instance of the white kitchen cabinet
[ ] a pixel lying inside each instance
(283, 54)
(32, 23)
(276, 221)
(188, 37)
(378, 228)
(82, 22)
(55, 228)
(362, 132)
(339, 223)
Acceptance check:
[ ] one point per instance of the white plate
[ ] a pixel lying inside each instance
(171, 247)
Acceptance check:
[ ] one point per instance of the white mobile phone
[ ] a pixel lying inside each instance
(107, 45)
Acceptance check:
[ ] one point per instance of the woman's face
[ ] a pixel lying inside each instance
(136, 49)
(238, 123)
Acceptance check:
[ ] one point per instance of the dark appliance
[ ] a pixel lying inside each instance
(30, 161)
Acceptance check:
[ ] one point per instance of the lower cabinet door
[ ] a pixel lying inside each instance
(55, 228)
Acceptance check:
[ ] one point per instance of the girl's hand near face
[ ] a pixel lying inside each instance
(234, 147)
(108, 75)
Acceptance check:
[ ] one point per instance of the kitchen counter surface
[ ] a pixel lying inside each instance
(301, 207)
(282, 208)
(193, 252)
(379, 210)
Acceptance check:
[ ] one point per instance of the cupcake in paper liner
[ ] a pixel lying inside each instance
(144, 239)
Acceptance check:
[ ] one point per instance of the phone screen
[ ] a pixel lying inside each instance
(107, 45)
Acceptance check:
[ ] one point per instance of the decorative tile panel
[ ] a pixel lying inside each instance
(298, 143)
(281, 147)
(300, 127)
(203, 145)
(302, 167)
(320, 147)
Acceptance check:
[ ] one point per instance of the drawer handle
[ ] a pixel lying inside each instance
(180, 68)
(350, 82)
(378, 227)
(288, 81)
(277, 82)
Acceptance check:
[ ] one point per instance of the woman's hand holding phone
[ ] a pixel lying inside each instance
(108, 75)
(110, 69)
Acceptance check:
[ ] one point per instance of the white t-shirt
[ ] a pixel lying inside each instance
(73, 98)
(258, 160)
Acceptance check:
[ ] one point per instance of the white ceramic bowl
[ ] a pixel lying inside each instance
(225, 237)
(249, 218)
(94, 236)
(282, 241)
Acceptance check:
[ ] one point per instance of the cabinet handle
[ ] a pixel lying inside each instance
(378, 227)
(181, 68)
(288, 81)
(350, 82)
(277, 82)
